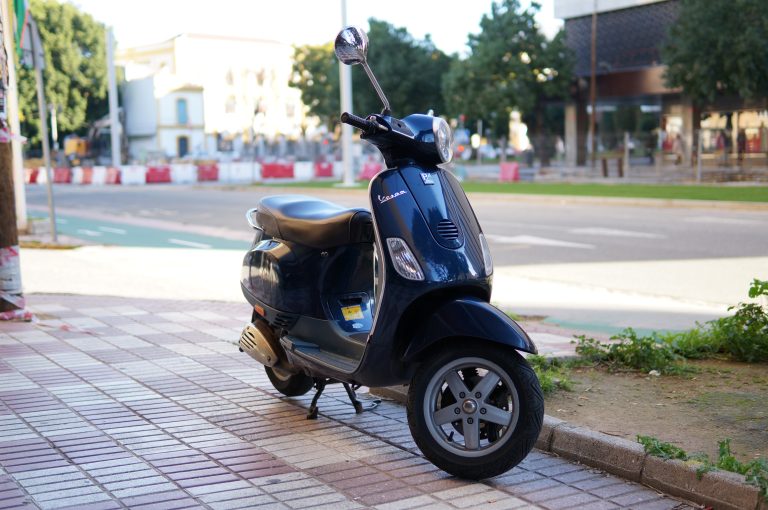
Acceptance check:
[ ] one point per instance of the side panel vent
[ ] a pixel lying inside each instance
(284, 321)
(448, 230)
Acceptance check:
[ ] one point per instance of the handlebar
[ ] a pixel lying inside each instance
(367, 126)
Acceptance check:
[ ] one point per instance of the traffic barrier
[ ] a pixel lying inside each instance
(89, 175)
(183, 174)
(207, 172)
(324, 169)
(133, 174)
(31, 175)
(62, 176)
(112, 176)
(158, 174)
(303, 171)
(277, 170)
(240, 172)
(509, 172)
(370, 169)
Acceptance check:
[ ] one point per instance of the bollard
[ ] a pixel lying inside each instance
(620, 163)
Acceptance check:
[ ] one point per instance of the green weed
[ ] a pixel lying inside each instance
(628, 350)
(552, 373)
(755, 471)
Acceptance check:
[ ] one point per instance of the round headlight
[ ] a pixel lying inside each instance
(443, 139)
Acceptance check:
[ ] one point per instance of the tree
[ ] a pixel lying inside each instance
(410, 72)
(511, 66)
(75, 74)
(719, 48)
(316, 74)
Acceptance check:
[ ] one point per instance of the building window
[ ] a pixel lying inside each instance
(182, 146)
(182, 113)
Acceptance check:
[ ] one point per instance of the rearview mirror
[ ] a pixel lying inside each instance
(351, 46)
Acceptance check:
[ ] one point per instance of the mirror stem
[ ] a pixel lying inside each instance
(387, 110)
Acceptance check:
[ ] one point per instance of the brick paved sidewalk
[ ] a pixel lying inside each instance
(114, 403)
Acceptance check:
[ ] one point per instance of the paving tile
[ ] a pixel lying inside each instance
(142, 397)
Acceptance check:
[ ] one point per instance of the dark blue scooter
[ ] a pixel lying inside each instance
(398, 294)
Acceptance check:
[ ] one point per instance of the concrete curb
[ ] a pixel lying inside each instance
(715, 489)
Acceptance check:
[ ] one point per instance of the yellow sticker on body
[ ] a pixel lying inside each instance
(352, 313)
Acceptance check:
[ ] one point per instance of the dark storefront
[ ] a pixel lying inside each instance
(663, 124)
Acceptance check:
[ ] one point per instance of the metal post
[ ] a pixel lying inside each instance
(345, 74)
(626, 153)
(114, 121)
(593, 87)
(37, 55)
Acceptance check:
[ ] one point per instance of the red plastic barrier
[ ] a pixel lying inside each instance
(510, 172)
(157, 174)
(277, 170)
(62, 176)
(87, 175)
(323, 169)
(208, 172)
(32, 174)
(113, 176)
(370, 170)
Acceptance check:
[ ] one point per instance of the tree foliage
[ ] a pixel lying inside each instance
(75, 74)
(511, 66)
(410, 72)
(719, 48)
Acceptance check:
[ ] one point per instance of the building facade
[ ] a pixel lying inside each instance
(236, 91)
(632, 96)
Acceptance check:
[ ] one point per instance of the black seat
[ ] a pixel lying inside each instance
(312, 222)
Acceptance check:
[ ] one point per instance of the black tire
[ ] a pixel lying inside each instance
(290, 385)
(490, 448)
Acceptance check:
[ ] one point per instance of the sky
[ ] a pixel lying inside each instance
(298, 22)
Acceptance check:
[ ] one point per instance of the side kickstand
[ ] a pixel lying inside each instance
(320, 385)
(359, 408)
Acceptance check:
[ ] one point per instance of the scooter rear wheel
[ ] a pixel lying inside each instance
(475, 411)
(290, 385)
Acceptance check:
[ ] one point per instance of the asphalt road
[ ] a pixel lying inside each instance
(521, 231)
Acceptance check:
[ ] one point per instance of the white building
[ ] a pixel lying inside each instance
(239, 85)
(163, 119)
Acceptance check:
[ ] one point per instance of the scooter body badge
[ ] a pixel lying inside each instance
(427, 178)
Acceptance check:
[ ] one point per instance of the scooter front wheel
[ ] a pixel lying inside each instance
(290, 385)
(475, 411)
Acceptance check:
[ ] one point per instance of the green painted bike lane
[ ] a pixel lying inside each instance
(123, 234)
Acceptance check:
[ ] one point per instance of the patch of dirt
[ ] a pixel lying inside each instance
(723, 400)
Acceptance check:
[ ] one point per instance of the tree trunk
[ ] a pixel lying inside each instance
(11, 299)
(543, 144)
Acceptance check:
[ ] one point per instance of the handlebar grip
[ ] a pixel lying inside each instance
(353, 120)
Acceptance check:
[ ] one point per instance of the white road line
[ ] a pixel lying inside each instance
(87, 232)
(113, 230)
(190, 244)
(722, 221)
(537, 241)
(612, 232)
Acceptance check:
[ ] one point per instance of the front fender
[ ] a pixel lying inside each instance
(470, 318)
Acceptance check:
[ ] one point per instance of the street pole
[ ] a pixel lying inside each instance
(38, 63)
(114, 121)
(593, 87)
(627, 153)
(345, 75)
(12, 117)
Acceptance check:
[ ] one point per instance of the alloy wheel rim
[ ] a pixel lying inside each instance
(479, 407)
